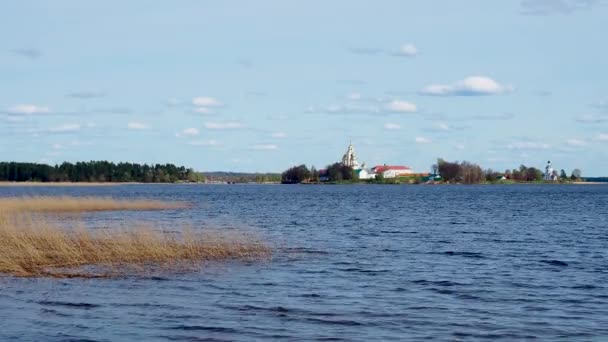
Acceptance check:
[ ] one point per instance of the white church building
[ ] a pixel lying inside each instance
(388, 171)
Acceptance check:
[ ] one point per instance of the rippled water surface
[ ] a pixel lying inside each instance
(350, 263)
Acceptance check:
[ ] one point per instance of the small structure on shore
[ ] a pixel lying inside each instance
(550, 173)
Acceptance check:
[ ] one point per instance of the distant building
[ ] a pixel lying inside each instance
(365, 174)
(350, 158)
(392, 171)
(550, 173)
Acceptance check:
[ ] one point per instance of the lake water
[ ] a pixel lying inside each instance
(354, 263)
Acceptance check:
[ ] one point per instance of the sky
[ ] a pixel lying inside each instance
(259, 86)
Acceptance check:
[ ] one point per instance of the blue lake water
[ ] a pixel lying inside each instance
(354, 263)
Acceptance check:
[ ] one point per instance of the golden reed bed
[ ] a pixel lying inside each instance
(76, 204)
(36, 245)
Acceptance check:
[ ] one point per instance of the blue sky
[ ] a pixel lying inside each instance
(262, 85)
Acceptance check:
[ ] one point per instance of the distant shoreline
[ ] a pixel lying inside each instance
(101, 184)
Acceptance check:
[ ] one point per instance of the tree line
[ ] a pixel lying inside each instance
(336, 172)
(97, 171)
(470, 173)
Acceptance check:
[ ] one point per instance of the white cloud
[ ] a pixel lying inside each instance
(206, 101)
(391, 126)
(204, 143)
(65, 128)
(459, 147)
(135, 125)
(401, 106)
(57, 147)
(28, 109)
(407, 50)
(354, 96)
(576, 142)
(223, 125)
(602, 137)
(266, 147)
(528, 145)
(443, 126)
(423, 140)
(279, 135)
(188, 132)
(202, 110)
(470, 86)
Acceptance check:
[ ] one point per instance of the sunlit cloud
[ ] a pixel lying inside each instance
(407, 50)
(188, 132)
(28, 109)
(470, 86)
(401, 106)
(423, 140)
(391, 126)
(206, 101)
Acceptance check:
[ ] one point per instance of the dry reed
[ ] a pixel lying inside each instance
(77, 204)
(33, 244)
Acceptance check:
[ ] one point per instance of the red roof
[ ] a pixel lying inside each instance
(382, 168)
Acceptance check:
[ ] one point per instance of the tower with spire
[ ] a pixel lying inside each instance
(350, 157)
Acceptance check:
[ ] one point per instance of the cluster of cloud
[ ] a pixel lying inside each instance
(203, 104)
(28, 109)
(64, 128)
(399, 106)
(470, 86)
(357, 106)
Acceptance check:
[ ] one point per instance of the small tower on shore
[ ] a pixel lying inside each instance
(549, 172)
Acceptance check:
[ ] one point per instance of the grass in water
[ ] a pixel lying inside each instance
(35, 245)
(76, 204)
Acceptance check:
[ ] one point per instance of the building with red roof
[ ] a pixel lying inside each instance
(392, 171)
